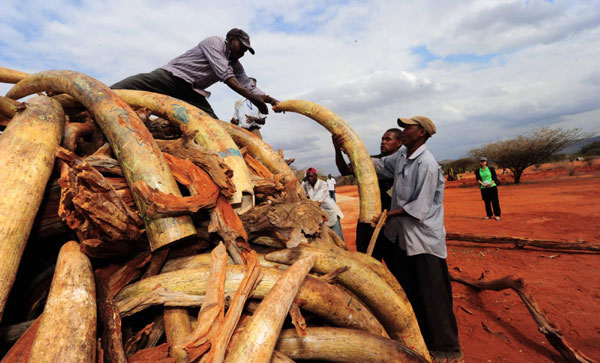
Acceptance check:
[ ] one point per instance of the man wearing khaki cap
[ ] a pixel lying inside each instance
(414, 238)
(214, 59)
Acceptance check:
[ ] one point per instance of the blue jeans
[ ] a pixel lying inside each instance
(337, 228)
(332, 195)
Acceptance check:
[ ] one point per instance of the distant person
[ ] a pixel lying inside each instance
(390, 143)
(414, 240)
(488, 184)
(247, 115)
(331, 187)
(214, 59)
(316, 189)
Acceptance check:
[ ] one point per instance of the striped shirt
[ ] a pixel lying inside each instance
(208, 63)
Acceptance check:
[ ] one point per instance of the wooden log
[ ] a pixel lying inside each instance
(304, 214)
(320, 298)
(393, 310)
(209, 161)
(92, 208)
(67, 331)
(545, 326)
(131, 142)
(178, 326)
(257, 341)
(211, 136)
(343, 345)
(368, 188)
(522, 242)
(265, 154)
(227, 223)
(112, 338)
(26, 159)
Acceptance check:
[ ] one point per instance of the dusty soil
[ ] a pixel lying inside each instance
(554, 202)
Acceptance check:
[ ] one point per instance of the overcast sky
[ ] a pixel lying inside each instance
(481, 70)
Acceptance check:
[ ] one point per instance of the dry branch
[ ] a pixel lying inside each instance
(545, 326)
(521, 242)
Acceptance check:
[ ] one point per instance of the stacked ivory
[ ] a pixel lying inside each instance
(176, 237)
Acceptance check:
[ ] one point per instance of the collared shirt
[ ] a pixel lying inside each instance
(331, 184)
(208, 63)
(419, 190)
(319, 193)
(245, 108)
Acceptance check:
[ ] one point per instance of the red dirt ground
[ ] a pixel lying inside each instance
(554, 202)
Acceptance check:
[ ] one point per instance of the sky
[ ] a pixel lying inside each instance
(482, 70)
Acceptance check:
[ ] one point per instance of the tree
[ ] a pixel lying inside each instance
(591, 149)
(526, 150)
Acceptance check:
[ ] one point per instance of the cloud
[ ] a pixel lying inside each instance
(482, 70)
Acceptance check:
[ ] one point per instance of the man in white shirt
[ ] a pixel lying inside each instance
(316, 189)
(247, 115)
(331, 187)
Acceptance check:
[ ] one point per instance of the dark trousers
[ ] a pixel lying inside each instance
(364, 231)
(161, 81)
(426, 282)
(490, 199)
(332, 195)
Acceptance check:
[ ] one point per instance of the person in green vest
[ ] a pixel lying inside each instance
(488, 184)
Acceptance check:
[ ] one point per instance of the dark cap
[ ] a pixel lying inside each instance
(243, 37)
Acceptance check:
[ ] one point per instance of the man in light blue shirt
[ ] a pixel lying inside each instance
(414, 238)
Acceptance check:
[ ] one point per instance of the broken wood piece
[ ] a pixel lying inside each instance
(21, 350)
(215, 297)
(545, 326)
(255, 166)
(130, 140)
(67, 331)
(257, 342)
(209, 161)
(112, 338)
(304, 214)
(298, 319)
(26, 159)
(343, 345)
(160, 204)
(93, 209)
(221, 340)
(226, 222)
(521, 242)
(380, 223)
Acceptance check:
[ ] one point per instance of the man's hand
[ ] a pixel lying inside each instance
(234, 121)
(338, 141)
(271, 100)
(258, 102)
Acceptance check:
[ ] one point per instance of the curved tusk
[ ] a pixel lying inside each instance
(211, 136)
(139, 156)
(368, 188)
(263, 153)
(27, 149)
